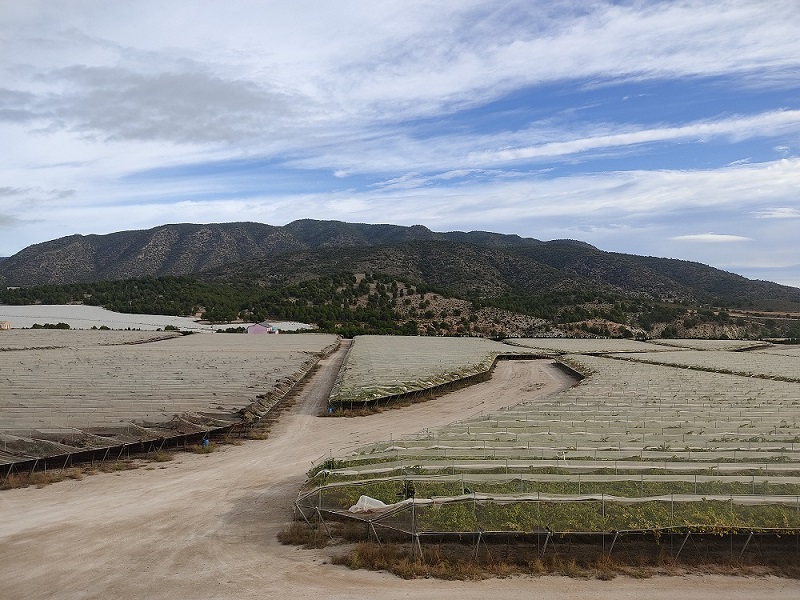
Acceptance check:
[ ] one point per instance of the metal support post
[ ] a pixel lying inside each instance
(614, 541)
(683, 543)
(749, 537)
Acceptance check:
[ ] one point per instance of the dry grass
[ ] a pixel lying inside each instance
(202, 448)
(117, 465)
(43, 478)
(460, 561)
(13, 481)
(40, 479)
(230, 440)
(162, 456)
(442, 563)
(300, 534)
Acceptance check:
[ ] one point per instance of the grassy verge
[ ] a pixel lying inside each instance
(576, 560)
(42, 478)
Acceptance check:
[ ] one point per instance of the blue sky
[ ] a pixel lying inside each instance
(656, 128)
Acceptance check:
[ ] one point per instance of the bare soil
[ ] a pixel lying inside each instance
(205, 525)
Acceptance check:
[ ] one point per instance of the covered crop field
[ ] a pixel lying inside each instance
(684, 447)
(66, 392)
(378, 367)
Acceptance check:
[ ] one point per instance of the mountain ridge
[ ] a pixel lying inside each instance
(475, 264)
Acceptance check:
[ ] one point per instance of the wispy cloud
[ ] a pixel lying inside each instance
(400, 150)
(781, 212)
(739, 128)
(527, 117)
(274, 72)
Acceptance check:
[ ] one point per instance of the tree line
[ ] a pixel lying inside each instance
(351, 305)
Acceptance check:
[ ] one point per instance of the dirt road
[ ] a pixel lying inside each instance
(204, 526)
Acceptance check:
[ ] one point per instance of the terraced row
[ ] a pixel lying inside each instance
(62, 392)
(631, 432)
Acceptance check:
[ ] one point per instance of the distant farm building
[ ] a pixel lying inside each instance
(260, 328)
(5, 325)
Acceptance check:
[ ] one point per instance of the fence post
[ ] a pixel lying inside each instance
(413, 533)
(671, 509)
(683, 543)
(547, 539)
(614, 541)
(749, 537)
(538, 508)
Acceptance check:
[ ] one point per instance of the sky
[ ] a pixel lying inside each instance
(665, 129)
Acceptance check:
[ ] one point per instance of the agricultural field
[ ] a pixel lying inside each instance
(793, 351)
(586, 345)
(685, 445)
(51, 339)
(698, 344)
(64, 389)
(379, 366)
(749, 364)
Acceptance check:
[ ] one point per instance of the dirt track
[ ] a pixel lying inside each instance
(204, 526)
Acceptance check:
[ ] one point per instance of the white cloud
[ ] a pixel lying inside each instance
(396, 150)
(739, 128)
(480, 202)
(781, 212)
(105, 102)
(309, 84)
(712, 238)
(382, 61)
(603, 229)
(477, 202)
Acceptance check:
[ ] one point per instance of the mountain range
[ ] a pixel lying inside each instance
(468, 264)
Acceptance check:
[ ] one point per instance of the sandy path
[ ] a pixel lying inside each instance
(204, 526)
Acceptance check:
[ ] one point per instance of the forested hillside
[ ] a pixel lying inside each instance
(358, 278)
(375, 303)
